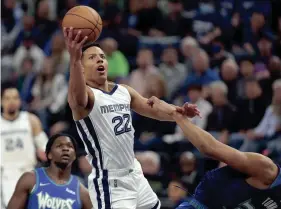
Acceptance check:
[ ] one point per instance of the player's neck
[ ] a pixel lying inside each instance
(10, 117)
(58, 174)
(106, 86)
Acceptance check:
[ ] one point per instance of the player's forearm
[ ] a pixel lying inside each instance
(77, 94)
(201, 139)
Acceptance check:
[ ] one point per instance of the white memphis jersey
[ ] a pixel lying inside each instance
(107, 132)
(17, 145)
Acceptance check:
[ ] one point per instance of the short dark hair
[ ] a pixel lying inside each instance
(52, 140)
(88, 45)
(197, 87)
(7, 85)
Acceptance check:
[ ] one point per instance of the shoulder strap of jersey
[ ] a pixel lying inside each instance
(37, 181)
(277, 181)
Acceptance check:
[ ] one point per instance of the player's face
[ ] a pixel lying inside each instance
(11, 101)
(95, 65)
(62, 151)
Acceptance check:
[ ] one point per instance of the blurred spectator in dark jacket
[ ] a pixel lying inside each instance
(174, 23)
(149, 18)
(43, 24)
(189, 174)
(189, 46)
(202, 74)
(218, 54)
(251, 109)
(229, 74)
(207, 23)
(255, 32)
(173, 72)
(269, 125)
(28, 48)
(221, 120)
(25, 81)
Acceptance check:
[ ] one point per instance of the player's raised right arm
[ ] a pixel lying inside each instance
(23, 189)
(77, 93)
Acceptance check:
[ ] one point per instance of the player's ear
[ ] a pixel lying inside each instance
(49, 156)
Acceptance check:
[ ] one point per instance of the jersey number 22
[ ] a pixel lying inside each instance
(122, 124)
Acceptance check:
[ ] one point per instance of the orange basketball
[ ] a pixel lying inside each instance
(86, 19)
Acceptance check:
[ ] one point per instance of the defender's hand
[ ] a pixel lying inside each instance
(191, 110)
(73, 45)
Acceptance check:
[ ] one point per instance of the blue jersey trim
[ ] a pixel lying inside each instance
(277, 181)
(36, 183)
(112, 90)
(60, 185)
(78, 192)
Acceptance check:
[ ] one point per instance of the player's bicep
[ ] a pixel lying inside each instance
(138, 102)
(85, 198)
(252, 164)
(22, 190)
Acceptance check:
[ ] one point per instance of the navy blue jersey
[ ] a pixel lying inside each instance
(226, 188)
(49, 195)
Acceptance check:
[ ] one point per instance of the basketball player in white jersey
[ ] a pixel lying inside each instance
(102, 111)
(21, 139)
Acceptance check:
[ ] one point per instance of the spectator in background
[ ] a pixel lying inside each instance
(219, 54)
(247, 71)
(202, 74)
(25, 81)
(195, 96)
(206, 24)
(253, 33)
(59, 55)
(229, 75)
(274, 70)
(265, 47)
(118, 66)
(149, 18)
(28, 48)
(189, 46)
(268, 126)
(49, 94)
(150, 162)
(189, 174)
(251, 110)
(173, 72)
(146, 68)
(174, 23)
(177, 192)
(43, 24)
(221, 122)
(148, 132)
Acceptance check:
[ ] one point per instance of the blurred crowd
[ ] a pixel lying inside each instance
(223, 55)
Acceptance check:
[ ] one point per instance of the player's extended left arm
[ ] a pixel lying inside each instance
(139, 105)
(252, 164)
(39, 136)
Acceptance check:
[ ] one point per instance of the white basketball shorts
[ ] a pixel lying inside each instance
(122, 189)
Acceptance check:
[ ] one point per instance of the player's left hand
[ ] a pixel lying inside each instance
(191, 110)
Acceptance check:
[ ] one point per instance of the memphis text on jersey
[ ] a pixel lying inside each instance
(115, 108)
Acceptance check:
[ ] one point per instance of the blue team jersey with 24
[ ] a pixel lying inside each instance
(46, 194)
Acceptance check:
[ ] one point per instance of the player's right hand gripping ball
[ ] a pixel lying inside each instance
(86, 19)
